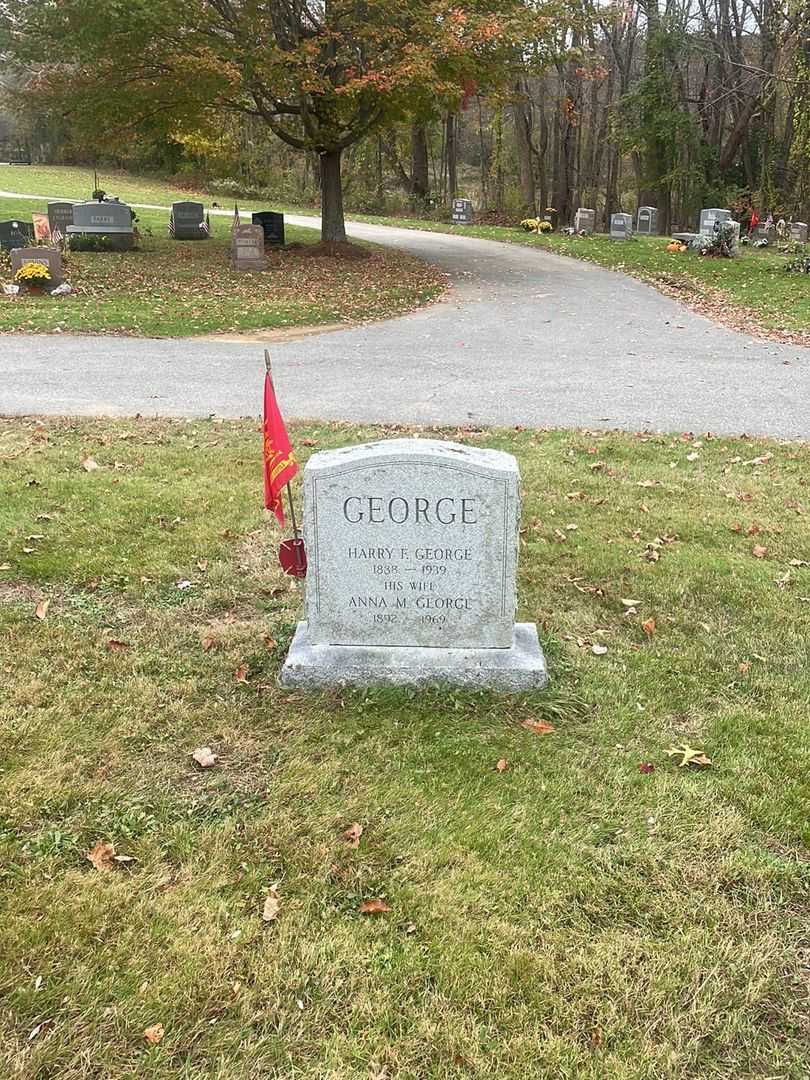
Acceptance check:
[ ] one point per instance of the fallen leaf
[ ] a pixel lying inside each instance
(353, 834)
(793, 562)
(5, 566)
(539, 727)
(154, 1034)
(745, 667)
(241, 673)
(373, 907)
(753, 529)
(269, 644)
(41, 610)
(114, 645)
(694, 456)
(89, 465)
(631, 603)
(502, 765)
(202, 565)
(759, 552)
(648, 626)
(207, 643)
(184, 584)
(32, 1034)
(102, 855)
(272, 904)
(688, 755)
(204, 757)
(646, 767)
(599, 650)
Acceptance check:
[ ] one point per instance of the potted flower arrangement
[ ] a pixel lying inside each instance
(33, 276)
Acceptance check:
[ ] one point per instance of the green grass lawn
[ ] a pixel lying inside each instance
(570, 917)
(169, 288)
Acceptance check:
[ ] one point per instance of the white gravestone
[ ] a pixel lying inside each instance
(711, 217)
(585, 221)
(412, 552)
(462, 211)
(647, 221)
(798, 231)
(621, 226)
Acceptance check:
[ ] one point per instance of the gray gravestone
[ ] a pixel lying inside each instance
(798, 232)
(647, 221)
(273, 225)
(585, 220)
(60, 215)
(621, 226)
(462, 211)
(711, 217)
(50, 256)
(189, 221)
(15, 234)
(247, 248)
(764, 232)
(111, 220)
(412, 552)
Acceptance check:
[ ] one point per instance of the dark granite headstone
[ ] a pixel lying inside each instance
(273, 225)
(462, 212)
(189, 221)
(15, 234)
(60, 215)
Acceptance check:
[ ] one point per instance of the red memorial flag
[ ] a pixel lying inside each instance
(280, 465)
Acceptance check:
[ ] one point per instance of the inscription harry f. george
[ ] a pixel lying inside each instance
(411, 542)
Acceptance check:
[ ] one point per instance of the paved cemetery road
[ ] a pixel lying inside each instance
(525, 337)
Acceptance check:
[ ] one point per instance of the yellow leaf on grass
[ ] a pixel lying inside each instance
(688, 755)
(648, 626)
(759, 552)
(90, 465)
(502, 765)
(374, 907)
(539, 727)
(41, 610)
(154, 1034)
(102, 855)
(204, 757)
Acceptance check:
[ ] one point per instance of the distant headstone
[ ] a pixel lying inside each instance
(798, 231)
(764, 232)
(647, 221)
(711, 217)
(462, 211)
(50, 256)
(621, 226)
(247, 248)
(188, 221)
(412, 552)
(585, 220)
(110, 220)
(15, 234)
(60, 215)
(273, 226)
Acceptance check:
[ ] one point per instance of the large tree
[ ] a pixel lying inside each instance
(321, 74)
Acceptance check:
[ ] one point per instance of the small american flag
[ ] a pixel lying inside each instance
(236, 219)
(56, 236)
(171, 224)
(206, 225)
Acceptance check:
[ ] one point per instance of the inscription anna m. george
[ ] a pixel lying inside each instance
(411, 542)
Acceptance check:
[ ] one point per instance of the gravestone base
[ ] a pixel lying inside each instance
(321, 667)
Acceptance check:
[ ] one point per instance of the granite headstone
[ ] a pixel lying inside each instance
(50, 256)
(412, 552)
(585, 221)
(15, 234)
(188, 221)
(621, 226)
(462, 211)
(798, 231)
(647, 221)
(273, 225)
(711, 217)
(110, 219)
(60, 215)
(247, 248)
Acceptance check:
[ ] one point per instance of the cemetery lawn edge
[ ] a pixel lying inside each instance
(559, 897)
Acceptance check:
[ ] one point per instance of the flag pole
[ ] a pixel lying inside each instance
(296, 534)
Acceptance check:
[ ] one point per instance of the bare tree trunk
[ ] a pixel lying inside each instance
(420, 179)
(451, 150)
(333, 225)
(521, 113)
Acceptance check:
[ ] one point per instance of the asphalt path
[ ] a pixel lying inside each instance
(524, 337)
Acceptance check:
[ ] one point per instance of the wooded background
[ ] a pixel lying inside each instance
(677, 104)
